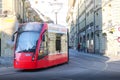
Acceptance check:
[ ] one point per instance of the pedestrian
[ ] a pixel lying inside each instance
(78, 46)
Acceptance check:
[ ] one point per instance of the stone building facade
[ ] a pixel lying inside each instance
(95, 26)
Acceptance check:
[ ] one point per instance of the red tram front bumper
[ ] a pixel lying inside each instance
(24, 65)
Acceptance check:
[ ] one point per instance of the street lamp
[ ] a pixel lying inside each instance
(23, 1)
(56, 16)
(56, 13)
(56, 8)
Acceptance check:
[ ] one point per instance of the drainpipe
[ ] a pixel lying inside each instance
(56, 17)
(85, 29)
(78, 23)
(94, 28)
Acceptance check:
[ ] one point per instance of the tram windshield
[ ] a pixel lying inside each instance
(27, 38)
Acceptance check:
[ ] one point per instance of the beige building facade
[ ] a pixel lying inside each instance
(111, 26)
(96, 27)
(11, 15)
(13, 12)
(70, 20)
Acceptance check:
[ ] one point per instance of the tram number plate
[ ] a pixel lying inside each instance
(27, 54)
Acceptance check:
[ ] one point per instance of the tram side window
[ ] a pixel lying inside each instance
(44, 45)
(51, 42)
(57, 43)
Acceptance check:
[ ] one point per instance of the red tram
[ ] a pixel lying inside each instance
(40, 45)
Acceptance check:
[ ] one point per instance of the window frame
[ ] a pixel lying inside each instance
(43, 43)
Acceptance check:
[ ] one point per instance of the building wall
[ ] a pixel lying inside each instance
(111, 22)
(13, 7)
(75, 17)
(70, 21)
(95, 20)
(19, 9)
(8, 25)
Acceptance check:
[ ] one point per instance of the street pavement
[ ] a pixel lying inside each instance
(6, 62)
(82, 66)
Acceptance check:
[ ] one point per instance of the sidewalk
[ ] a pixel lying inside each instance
(6, 62)
(76, 52)
(111, 58)
(112, 63)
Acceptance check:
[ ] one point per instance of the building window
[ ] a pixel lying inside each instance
(92, 35)
(91, 2)
(91, 10)
(80, 39)
(97, 13)
(87, 26)
(87, 36)
(0, 6)
(87, 13)
(91, 24)
(109, 5)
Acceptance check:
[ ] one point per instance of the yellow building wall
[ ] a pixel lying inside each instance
(8, 27)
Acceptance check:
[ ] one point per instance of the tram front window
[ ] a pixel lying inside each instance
(26, 41)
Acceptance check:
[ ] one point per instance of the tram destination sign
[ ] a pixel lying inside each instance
(57, 29)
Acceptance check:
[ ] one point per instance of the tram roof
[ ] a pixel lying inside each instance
(56, 28)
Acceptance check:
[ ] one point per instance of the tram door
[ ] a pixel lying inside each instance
(58, 42)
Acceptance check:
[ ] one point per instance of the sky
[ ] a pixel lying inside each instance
(49, 7)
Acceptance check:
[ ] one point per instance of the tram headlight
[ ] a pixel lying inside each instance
(41, 52)
(33, 58)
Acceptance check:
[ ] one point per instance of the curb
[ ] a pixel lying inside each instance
(89, 54)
